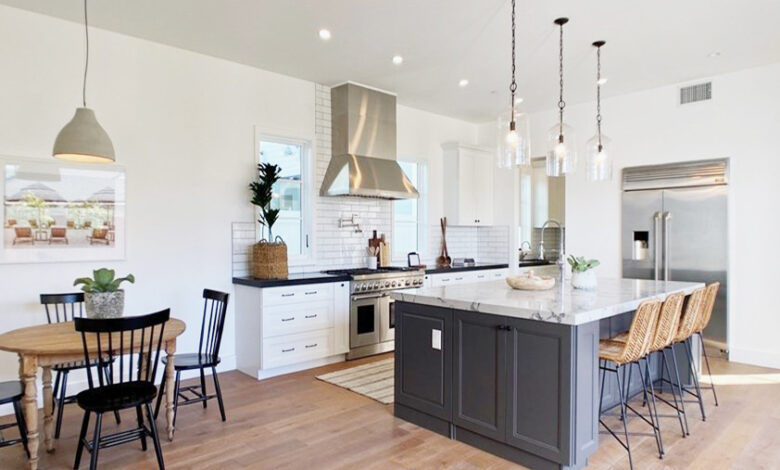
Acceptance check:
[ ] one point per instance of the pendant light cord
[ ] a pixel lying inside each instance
(561, 103)
(598, 94)
(513, 85)
(86, 60)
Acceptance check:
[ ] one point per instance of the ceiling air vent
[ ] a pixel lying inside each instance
(694, 93)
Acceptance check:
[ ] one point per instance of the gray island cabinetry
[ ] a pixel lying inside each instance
(513, 373)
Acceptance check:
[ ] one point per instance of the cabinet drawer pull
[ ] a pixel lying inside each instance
(288, 295)
(480, 276)
(311, 292)
(458, 278)
(288, 319)
(288, 350)
(310, 316)
(311, 345)
(446, 279)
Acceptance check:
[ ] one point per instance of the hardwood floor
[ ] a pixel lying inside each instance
(298, 422)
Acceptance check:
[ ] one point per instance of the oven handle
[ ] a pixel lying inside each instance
(370, 296)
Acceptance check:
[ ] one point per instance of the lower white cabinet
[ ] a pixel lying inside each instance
(465, 277)
(284, 329)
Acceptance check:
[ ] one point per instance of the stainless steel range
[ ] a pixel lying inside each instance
(371, 313)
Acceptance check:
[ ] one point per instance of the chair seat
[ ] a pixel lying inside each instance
(192, 361)
(117, 396)
(621, 338)
(611, 350)
(10, 391)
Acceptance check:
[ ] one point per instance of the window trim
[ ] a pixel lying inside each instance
(422, 212)
(306, 258)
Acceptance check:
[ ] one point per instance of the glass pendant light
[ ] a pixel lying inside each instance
(599, 162)
(513, 141)
(83, 139)
(561, 150)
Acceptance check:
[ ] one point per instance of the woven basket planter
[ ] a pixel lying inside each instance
(269, 260)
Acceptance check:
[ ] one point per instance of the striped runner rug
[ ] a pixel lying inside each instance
(374, 380)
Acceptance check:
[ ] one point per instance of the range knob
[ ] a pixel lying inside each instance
(394, 284)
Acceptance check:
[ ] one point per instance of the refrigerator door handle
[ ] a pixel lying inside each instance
(657, 247)
(667, 244)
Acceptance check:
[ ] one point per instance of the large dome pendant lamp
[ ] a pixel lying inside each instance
(83, 139)
(513, 145)
(561, 149)
(599, 162)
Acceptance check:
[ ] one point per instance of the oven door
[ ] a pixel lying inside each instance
(387, 320)
(364, 320)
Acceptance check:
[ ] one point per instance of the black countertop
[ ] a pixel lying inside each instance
(290, 280)
(455, 269)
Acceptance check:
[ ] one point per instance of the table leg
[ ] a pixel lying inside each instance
(48, 411)
(170, 381)
(28, 367)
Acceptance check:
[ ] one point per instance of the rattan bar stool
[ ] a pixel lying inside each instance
(710, 295)
(626, 353)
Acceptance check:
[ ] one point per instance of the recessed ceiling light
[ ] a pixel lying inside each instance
(713, 55)
(463, 83)
(602, 80)
(324, 34)
(398, 60)
(518, 100)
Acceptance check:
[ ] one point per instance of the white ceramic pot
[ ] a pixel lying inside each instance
(104, 304)
(585, 280)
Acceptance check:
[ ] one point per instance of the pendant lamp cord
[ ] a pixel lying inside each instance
(513, 85)
(561, 103)
(598, 94)
(86, 60)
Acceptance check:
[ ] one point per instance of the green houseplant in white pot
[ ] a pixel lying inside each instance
(583, 275)
(102, 296)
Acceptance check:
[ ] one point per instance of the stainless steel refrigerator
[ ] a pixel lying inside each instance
(675, 227)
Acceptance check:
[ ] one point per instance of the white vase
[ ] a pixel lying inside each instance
(104, 304)
(585, 280)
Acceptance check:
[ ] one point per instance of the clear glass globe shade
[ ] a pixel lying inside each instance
(561, 151)
(599, 160)
(513, 145)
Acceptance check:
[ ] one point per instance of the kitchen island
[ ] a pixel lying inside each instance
(514, 373)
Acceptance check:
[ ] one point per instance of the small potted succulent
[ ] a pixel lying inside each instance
(102, 296)
(582, 274)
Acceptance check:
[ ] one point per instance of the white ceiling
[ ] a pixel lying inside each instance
(649, 43)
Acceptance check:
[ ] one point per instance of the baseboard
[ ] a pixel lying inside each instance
(754, 357)
(268, 373)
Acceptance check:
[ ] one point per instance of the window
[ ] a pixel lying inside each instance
(291, 194)
(409, 215)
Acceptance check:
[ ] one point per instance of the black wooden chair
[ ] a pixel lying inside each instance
(12, 392)
(131, 386)
(214, 308)
(62, 308)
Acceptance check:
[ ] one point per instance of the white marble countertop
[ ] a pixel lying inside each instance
(561, 304)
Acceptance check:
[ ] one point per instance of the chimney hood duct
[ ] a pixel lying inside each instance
(363, 146)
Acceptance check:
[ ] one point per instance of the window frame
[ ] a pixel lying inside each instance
(422, 212)
(306, 258)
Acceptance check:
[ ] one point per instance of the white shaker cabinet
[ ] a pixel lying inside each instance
(468, 184)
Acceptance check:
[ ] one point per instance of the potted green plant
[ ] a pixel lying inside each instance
(102, 296)
(269, 256)
(582, 274)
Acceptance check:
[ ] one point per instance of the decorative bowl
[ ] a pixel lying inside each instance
(529, 281)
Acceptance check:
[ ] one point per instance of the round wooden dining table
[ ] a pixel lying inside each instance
(47, 345)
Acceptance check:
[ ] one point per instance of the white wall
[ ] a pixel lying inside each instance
(741, 122)
(183, 126)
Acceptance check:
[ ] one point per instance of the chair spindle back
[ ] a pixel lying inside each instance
(214, 309)
(63, 307)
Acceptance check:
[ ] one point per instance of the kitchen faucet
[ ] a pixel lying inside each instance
(561, 261)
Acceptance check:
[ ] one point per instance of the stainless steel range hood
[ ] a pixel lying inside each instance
(363, 145)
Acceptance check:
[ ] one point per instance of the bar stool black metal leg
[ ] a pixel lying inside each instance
(653, 408)
(623, 414)
(680, 389)
(141, 425)
(603, 373)
(61, 402)
(707, 363)
(96, 443)
(219, 393)
(160, 393)
(22, 425)
(82, 436)
(695, 376)
(665, 367)
(203, 386)
(155, 437)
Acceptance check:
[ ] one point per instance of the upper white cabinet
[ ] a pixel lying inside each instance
(468, 184)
